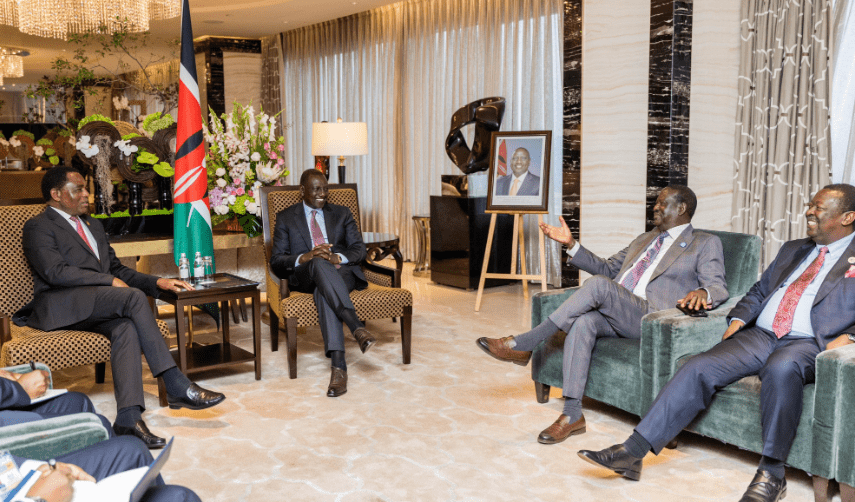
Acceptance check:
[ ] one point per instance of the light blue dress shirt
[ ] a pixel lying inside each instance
(801, 318)
(321, 223)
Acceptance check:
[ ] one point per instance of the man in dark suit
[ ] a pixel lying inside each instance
(79, 284)
(801, 305)
(318, 247)
(670, 264)
(521, 181)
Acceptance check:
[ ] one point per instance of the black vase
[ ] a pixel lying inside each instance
(165, 194)
(135, 203)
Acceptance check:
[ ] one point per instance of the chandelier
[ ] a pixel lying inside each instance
(59, 18)
(11, 64)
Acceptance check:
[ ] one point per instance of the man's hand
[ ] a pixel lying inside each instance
(35, 383)
(561, 234)
(55, 485)
(173, 285)
(695, 300)
(840, 341)
(321, 251)
(118, 283)
(733, 328)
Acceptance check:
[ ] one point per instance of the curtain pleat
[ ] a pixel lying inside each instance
(843, 93)
(782, 125)
(404, 69)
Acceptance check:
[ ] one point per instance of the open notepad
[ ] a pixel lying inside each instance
(128, 485)
(49, 394)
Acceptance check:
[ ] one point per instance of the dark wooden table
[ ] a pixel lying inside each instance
(198, 357)
(380, 246)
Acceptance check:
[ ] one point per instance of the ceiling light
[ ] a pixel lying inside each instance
(11, 64)
(58, 18)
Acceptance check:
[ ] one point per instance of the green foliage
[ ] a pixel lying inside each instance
(65, 133)
(155, 122)
(164, 169)
(124, 214)
(131, 135)
(44, 141)
(92, 118)
(2, 136)
(50, 151)
(251, 225)
(53, 159)
(21, 132)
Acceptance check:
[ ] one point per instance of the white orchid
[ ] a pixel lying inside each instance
(121, 104)
(124, 145)
(38, 151)
(14, 141)
(87, 149)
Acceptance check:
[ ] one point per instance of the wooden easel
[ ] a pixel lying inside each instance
(518, 243)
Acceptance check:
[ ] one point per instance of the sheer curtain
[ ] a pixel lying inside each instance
(404, 69)
(843, 93)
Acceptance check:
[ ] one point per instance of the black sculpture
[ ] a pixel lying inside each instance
(486, 114)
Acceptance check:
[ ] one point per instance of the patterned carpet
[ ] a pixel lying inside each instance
(455, 425)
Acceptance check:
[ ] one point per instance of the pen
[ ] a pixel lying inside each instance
(33, 365)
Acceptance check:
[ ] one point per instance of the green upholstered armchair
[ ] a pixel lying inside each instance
(52, 437)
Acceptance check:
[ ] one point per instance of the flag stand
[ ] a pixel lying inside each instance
(518, 244)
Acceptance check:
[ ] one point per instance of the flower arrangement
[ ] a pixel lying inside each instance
(244, 155)
(155, 121)
(44, 151)
(93, 118)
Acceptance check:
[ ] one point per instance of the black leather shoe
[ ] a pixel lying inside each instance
(140, 430)
(197, 398)
(364, 338)
(765, 487)
(338, 382)
(615, 458)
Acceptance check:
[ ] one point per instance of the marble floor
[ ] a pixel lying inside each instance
(455, 425)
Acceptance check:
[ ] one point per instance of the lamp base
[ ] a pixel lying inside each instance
(341, 173)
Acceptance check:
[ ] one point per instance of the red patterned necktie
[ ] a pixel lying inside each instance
(80, 231)
(317, 235)
(783, 322)
(632, 278)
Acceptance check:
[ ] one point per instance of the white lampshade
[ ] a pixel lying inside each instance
(339, 138)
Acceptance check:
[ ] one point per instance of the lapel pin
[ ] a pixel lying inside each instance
(682, 244)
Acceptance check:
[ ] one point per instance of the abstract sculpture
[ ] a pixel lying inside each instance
(486, 114)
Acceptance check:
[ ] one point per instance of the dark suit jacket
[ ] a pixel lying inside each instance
(832, 313)
(65, 270)
(292, 237)
(695, 260)
(12, 395)
(530, 186)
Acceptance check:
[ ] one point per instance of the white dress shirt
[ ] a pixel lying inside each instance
(89, 236)
(321, 223)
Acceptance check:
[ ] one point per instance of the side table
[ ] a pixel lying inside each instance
(423, 253)
(224, 288)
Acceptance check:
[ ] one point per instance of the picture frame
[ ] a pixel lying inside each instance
(519, 172)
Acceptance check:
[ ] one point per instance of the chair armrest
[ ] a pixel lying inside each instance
(5, 330)
(393, 274)
(284, 291)
(52, 437)
(25, 368)
(833, 453)
(546, 302)
(669, 335)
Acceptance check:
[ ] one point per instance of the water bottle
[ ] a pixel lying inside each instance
(184, 268)
(198, 267)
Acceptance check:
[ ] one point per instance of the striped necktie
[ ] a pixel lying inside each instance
(632, 278)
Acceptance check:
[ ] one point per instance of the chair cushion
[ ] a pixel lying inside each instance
(374, 302)
(59, 349)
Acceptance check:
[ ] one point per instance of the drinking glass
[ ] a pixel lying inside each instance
(208, 264)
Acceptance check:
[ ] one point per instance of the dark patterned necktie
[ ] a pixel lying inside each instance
(317, 235)
(783, 322)
(632, 278)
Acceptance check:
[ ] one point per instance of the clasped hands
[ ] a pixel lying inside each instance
(321, 251)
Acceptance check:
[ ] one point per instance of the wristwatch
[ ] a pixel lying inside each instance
(851, 337)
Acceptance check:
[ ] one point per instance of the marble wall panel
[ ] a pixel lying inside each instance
(615, 56)
(242, 78)
(571, 143)
(715, 66)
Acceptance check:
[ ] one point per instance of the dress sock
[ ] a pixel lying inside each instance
(349, 317)
(527, 341)
(127, 417)
(338, 359)
(636, 445)
(175, 382)
(572, 408)
(776, 467)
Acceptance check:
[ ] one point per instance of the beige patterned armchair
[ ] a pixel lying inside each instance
(379, 301)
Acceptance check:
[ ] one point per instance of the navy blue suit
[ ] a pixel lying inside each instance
(784, 365)
(330, 286)
(16, 408)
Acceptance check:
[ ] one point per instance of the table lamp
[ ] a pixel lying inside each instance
(340, 138)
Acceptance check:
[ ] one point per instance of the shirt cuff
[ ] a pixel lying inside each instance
(344, 259)
(575, 249)
(709, 296)
(297, 263)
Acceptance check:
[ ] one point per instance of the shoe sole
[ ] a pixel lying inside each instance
(556, 441)
(179, 406)
(494, 356)
(633, 475)
(337, 395)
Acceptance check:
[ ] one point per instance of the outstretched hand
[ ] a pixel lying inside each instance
(561, 234)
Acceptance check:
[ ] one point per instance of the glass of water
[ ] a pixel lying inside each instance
(208, 264)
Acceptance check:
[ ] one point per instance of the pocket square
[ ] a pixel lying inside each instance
(850, 273)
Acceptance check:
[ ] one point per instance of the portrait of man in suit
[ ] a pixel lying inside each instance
(672, 263)
(79, 284)
(801, 306)
(521, 181)
(318, 248)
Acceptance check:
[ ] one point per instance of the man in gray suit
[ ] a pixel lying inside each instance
(801, 306)
(672, 263)
(521, 181)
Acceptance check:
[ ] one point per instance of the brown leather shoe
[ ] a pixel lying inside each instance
(561, 429)
(499, 349)
(364, 339)
(338, 382)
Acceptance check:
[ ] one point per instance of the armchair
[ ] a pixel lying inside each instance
(383, 298)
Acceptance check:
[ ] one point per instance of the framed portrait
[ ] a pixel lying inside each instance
(519, 172)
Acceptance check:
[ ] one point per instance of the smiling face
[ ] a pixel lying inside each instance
(314, 191)
(826, 221)
(520, 161)
(667, 212)
(73, 198)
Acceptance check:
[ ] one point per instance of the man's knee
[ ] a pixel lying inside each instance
(781, 371)
(317, 264)
(133, 451)
(77, 402)
(598, 286)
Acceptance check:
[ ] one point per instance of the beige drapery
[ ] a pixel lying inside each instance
(843, 92)
(782, 122)
(404, 69)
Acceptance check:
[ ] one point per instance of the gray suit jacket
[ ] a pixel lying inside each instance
(695, 260)
(64, 270)
(832, 313)
(531, 185)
